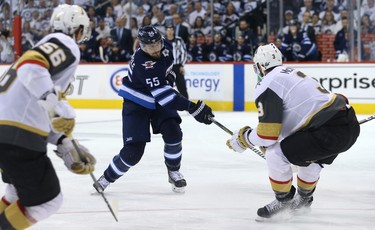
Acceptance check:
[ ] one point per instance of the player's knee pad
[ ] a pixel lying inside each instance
(132, 153)
(171, 131)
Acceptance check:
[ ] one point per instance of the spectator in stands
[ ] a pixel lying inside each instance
(217, 25)
(146, 21)
(308, 6)
(316, 23)
(199, 27)
(367, 27)
(306, 27)
(117, 8)
(239, 51)
(250, 36)
(217, 50)
(180, 29)
(330, 7)
(140, 14)
(173, 9)
(368, 7)
(230, 19)
(87, 53)
(92, 15)
(341, 39)
(230, 16)
(198, 11)
(328, 23)
(103, 30)
(92, 43)
(110, 17)
(123, 39)
(154, 12)
(147, 6)
(27, 37)
(298, 47)
(6, 49)
(134, 27)
(160, 22)
(194, 50)
(288, 16)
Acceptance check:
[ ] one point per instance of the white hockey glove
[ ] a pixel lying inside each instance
(60, 112)
(79, 163)
(239, 141)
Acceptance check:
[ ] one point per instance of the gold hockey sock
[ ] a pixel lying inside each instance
(17, 217)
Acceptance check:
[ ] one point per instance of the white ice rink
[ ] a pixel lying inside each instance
(224, 190)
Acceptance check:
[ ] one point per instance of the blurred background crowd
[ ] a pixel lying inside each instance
(212, 30)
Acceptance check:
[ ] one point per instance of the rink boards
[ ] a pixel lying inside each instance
(224, 86)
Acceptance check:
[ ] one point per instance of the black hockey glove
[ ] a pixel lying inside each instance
(201, 112)
(171, 78)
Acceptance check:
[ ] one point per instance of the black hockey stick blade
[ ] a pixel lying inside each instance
(94, 179)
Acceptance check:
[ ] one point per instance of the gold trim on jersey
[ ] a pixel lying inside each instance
(24, 127)
(33, 57)
(326, 105)
(269, 131)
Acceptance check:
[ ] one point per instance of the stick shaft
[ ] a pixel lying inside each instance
(94, 179)
(367, 119)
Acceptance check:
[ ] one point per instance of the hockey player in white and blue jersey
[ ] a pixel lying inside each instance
(150, 99)
(300, 123)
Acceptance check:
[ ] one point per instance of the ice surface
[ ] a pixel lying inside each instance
(224, 190)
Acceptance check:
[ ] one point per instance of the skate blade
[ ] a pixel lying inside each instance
(280, 217)
(178, 190)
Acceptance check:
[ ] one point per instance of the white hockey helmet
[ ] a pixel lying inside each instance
(68, 19)
(266, 57)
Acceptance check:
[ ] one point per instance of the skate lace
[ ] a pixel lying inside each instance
(274, 206)
(176, 175)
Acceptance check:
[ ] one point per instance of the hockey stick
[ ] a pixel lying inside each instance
(367, 119)
(255, 150)
(94, 179)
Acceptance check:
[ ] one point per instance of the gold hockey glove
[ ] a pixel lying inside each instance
(239, 141)
(83, 163)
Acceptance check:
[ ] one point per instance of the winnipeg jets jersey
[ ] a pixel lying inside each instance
(51, 63)
(146, 82)
(287, 101)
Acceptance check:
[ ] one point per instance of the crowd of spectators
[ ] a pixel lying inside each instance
(231, 32)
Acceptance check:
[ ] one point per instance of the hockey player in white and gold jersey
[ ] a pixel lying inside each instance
(33, 112)
(300, 123)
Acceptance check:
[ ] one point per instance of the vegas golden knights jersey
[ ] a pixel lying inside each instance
(289, 100)
(50, 64)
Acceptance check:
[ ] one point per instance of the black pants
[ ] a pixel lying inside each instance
(322, 145)
(180, 81)
(30, 172)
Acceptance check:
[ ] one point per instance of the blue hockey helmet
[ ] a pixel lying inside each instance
(150, 40)
(148, 35)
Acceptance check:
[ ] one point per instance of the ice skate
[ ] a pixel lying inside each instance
(176, 179)
(277, 210)
(301, 205)
(101, 184)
